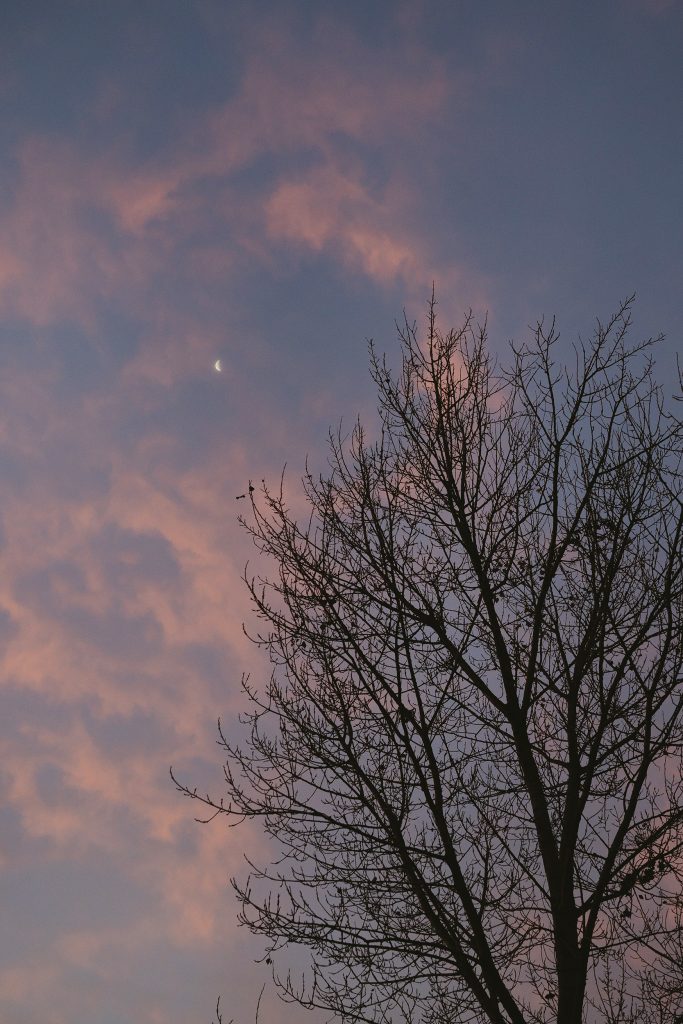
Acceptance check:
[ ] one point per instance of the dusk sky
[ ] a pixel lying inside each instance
(268, 184)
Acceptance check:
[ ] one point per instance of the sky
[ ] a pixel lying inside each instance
(268, 184)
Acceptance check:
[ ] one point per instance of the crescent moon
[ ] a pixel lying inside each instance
(218, 366)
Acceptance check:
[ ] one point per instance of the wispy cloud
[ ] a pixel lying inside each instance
(120, 601)
(123, 275)
(82, 227)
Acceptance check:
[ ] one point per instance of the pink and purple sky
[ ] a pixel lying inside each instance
(268, 184)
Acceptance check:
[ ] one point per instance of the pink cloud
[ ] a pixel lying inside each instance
(330, 210)
(82, 226)
(101, 637)
(155, 548)
(56, 259)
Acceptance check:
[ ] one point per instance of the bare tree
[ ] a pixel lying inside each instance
(469, 753)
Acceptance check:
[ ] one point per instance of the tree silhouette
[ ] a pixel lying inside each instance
(468, 755)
